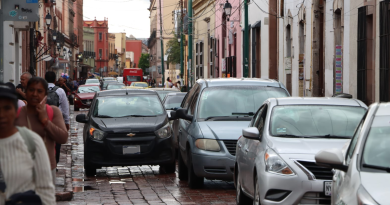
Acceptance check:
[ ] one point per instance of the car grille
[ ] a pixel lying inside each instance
(231, 146)
(315, 198)
(86, 101)
(323, 173)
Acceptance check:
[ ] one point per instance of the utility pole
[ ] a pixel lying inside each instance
(162, 47)
(246, 40)
(181, 41)
(190, 40)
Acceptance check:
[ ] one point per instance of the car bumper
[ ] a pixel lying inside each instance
(302, 190)
(213, 167)
(79, 103)
(109, 152)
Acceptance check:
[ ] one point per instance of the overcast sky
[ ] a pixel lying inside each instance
(130, 16)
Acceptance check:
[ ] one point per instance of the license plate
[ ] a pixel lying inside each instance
(328, 188)
(134, 149)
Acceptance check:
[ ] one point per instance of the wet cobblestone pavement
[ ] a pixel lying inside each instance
(132, 184)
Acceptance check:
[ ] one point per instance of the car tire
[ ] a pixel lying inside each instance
(90, 170)
(182, 168)
(76, 108)
(241, 198)
(256, 198)
(194, 182)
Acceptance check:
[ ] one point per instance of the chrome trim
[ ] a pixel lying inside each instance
(310, 175)
(317, 198)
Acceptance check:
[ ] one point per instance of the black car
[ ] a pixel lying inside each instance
(126, 128)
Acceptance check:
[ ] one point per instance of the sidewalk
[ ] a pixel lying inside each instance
(64, 187)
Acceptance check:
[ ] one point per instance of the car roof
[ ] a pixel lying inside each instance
(115, 82)
(92, 79)
(176, 93)
(214, 82)
(383, 109)
(318, 101)
(89, 85)
(164, 89)
(119, 92)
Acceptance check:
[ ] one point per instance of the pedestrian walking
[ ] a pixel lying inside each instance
(57, 97)
(178, 85)
(46, 120)
(21, 88)
(21, 103)
(168, 84)
(24, 163)
(160, 84)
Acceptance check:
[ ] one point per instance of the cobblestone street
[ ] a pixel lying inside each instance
(129, 185)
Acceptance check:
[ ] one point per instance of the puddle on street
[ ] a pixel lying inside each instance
(82, 189)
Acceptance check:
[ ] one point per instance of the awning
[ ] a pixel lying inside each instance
(85, 65)
(257, 24)
(112, 73)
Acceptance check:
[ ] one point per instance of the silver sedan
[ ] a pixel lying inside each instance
(362, 175)
(275, 157)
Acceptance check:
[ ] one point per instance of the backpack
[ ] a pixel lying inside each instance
(52, 96)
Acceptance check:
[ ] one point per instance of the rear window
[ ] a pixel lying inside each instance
(173, 101)
(133, 78)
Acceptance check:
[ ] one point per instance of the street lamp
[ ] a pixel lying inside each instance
(178, 40)
(48, 20)
(64, 51)
(227, 9)
(70, 53)
(54, 35)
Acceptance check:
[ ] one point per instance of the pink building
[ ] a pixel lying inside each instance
(228, 36)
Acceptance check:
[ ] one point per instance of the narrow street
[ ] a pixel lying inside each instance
(133, 184)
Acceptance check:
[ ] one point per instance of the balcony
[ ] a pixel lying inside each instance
(73, 38)
(89, 54)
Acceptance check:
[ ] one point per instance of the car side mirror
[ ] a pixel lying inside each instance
(182, 114)
(172, 115)
(251, 133)
(176, 108)
(332, 158)
(82, 118)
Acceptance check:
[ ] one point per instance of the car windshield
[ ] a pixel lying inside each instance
(228, 101)
(133, 78)
(143, 85)
(173, 101)
(127, 106)
(105, 83)
(163, 93)
(88, 89)
(315, 120)
(115, 86)
(377, 147)
(92, 81)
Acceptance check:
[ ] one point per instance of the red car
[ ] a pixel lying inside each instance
(84, 96)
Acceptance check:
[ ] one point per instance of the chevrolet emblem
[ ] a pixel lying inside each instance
(131, 135)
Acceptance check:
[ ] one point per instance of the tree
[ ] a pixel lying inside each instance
(144, 62)
(173, 50)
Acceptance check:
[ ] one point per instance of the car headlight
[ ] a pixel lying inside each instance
(208, 145)
(364, 198)
(95, 134)
(164, 132)
(275, 164)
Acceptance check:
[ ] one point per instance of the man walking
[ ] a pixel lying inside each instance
(57, 97)
(21, 88)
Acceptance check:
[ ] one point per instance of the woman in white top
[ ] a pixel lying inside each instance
(21, 169)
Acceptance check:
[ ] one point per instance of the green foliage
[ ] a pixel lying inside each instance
(173, 50)
(144, 62)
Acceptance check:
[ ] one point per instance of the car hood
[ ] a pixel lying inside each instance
(377, 185)
(304, 145)
(223, 130)
(133, 124)
(85, 95)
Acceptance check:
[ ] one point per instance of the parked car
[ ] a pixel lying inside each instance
(126, 128)
(362, 168)
(106, 82)
(211, 119)
(162, 92)
(93, 81)
(119, 79)
(171, 102)
(275, 157)
(84, 96)
(115, 85)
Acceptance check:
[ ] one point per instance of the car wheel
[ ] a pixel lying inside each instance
(76, 108)
(256, 199)
(241, 198)
(90, 170)
(183, 172)
(169, 168)
(194, 181)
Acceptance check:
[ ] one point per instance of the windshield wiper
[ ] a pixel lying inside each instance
(211, 117)
(290, 135)
(387, 169)
(243, 113)
(139, 116)
(331, 136)
(103, 116)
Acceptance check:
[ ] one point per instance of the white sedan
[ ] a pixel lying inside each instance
(363, 172)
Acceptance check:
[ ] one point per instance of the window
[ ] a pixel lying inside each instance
(100, 36)
(100, 53)
(353, 143)
(201, 44)
(189, 96)
(281, 8)
(261, 122)
(211, 57)
(191, 110)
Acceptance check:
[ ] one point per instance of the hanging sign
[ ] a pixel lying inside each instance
(339, 70)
